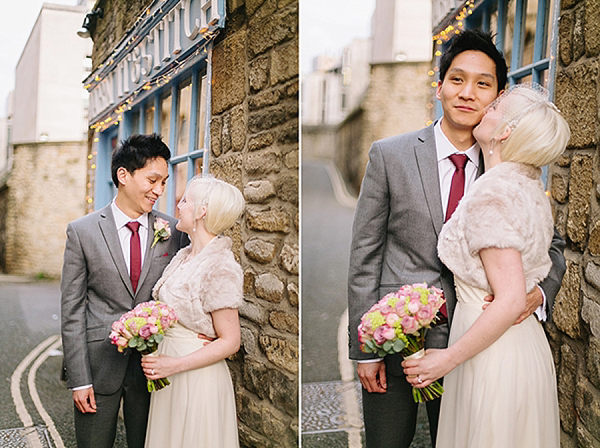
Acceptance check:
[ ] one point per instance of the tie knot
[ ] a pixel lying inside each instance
(133, 226)
(459, 161)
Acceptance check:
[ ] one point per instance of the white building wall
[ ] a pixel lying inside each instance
(25, 95)
(412, 31)
(401, 31)
(50, 100)
(358, 61)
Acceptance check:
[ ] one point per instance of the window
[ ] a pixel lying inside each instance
(525, 31)
(182, 107)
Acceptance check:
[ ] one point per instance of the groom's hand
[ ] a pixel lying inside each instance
(372, 376)
(85, 400)
(533, 301)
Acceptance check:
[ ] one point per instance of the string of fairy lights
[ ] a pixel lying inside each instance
(456, 26)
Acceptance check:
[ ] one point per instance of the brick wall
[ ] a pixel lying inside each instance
(45, 191)
(574, 180)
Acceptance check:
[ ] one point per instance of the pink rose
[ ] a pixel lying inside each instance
(425, 315)
(378, 335)
(153, 329)
(388, 333)
(414, 295)
(414, 306)
(385, 309)
(391, 319)
(400, 311)
(151, 320)
(410, 325)
(145, 332)
(133, 328)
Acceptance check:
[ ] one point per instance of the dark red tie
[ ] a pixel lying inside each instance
(457, 190)
(135, 254)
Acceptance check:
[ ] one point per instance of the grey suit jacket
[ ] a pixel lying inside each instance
(397, 222)
(96, 290)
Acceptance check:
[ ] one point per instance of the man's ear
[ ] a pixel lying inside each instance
(438, 90)
(122, 175)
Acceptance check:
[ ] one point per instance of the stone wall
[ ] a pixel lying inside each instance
(575, 189)
(396, 102)
(3, 214)
(254, 146)
(318, 142)
(45, 191)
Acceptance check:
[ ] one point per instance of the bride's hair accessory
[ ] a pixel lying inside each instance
(524, 98)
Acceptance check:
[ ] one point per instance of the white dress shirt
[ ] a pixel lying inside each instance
(446, 168)
(121, 220)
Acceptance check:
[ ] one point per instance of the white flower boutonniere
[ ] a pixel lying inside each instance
(162, 231)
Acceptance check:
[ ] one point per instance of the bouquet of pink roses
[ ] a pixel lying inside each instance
(143, 328)
(397, 324)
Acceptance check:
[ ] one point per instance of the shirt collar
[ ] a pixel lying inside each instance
(121, 219)
(445, 148)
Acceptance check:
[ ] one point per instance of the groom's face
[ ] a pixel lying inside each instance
(139, 191)
(469, 86)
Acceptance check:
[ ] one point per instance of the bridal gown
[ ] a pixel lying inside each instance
(505, 396)
(198, 409)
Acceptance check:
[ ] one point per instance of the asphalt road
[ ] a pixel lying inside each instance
(326, 236)
(30, 319)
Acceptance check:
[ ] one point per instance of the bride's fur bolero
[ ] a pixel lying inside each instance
(506, 207)
(196, 287)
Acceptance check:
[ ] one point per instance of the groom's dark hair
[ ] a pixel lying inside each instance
(136, 151)
(475, 40)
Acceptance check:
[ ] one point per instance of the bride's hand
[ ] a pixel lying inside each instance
(161, 366)
(424, 371)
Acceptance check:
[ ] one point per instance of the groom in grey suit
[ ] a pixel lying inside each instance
(402, 206)
(104, 277)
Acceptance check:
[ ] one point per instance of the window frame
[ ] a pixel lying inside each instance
(193, 153)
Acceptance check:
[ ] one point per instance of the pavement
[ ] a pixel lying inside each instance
(331, 414)
(36, 409)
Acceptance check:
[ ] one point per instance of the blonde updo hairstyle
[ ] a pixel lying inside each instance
(224, 203)
(539, 133)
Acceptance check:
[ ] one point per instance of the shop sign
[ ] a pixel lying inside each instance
(162, 37)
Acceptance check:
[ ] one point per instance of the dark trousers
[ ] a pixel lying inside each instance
(391, 418)
(99, 430)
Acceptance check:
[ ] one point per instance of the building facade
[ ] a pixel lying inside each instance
(397, 95)
(219, 81)
(42, 173)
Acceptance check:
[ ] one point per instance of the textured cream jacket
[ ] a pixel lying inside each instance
(210, 281)
(507, 207)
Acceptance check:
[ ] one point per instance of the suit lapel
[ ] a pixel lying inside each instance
(426, 155)
(149, 255)
(109, 232)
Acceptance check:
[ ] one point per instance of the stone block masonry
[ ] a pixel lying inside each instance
(46, 191)
(254, 145)
(574, 333)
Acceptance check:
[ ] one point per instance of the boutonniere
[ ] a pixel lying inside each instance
(162, 231)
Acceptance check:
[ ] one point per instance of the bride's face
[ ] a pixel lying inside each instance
(186, 215)
(488, 126)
